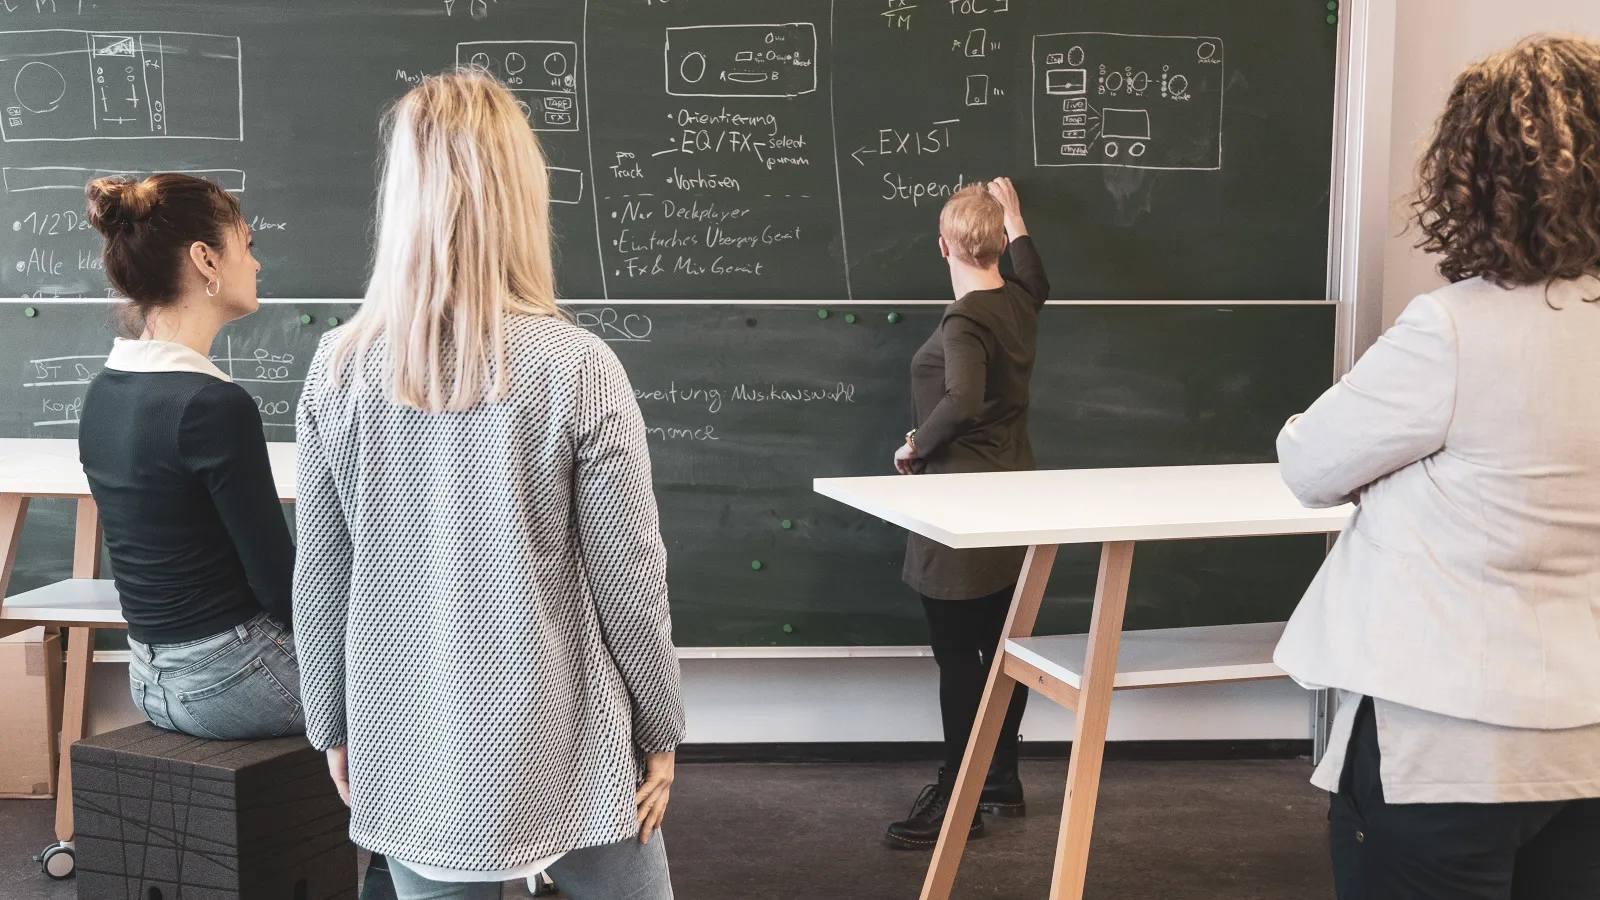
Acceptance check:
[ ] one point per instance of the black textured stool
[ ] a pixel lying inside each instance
(164, 816)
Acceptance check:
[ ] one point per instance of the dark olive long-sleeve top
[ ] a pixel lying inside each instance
(969, 404)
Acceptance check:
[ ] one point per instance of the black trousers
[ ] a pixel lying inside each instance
(1455, 851)
(966, 634)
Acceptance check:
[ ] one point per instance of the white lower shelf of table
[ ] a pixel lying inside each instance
(81, 602)
(1163, 657)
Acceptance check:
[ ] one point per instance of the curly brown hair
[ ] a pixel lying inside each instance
(1510, 184)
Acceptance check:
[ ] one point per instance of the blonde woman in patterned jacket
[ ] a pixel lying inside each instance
(480, 593)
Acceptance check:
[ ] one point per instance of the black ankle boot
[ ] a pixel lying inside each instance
(920, 831)
(1002, 792)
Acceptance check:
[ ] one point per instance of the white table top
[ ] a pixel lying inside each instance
(1074, 506)
(39, 468)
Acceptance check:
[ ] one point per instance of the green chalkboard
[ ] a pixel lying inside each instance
(709, 148)
(747, 403)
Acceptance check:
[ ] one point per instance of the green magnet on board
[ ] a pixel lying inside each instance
(893, 318)
(850, 318)
(787, 524)
(305, 320)
(788, 629)
(29, 311)
(333, 321)
(1333, 5)
(755, 565)
(822, 314)
(1332, 19)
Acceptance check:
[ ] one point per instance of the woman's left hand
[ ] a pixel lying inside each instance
(903, 458)
(654, 793)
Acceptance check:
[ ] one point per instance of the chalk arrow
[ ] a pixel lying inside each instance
(857, 155)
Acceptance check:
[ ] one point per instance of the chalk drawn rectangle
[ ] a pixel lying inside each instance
(566, 185)
(60, 84)
(977, 90)
(542, 75)
(1132, 124)
(777, 60)
(977, 41)
(21, 179)
(1075, 119)
(1155, 102)
(1075, 134)
(1066, 81)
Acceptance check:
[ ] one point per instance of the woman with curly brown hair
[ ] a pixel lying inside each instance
(1459, 613)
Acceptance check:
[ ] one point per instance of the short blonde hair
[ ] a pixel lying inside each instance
(973, 225)
(463, 240)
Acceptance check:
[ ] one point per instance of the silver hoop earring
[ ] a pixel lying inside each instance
(213, 291)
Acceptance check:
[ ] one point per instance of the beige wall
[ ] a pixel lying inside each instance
(1434, 40)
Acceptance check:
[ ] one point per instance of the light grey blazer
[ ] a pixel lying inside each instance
(1468, 582)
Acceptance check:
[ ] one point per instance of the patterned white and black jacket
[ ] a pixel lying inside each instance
(480, 603)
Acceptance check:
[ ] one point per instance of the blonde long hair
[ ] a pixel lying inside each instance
(463, 240)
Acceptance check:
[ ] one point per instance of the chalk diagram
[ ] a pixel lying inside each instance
(1137, 101)
(64, 85)
(566, 185)
(542, 75)
(742, 60)
(23, 179)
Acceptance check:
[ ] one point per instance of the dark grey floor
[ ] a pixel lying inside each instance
(1249, 830)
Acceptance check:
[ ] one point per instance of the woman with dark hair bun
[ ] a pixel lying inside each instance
(1459, 612)
(177, 463)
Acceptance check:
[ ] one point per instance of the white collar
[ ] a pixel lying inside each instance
(159, 356)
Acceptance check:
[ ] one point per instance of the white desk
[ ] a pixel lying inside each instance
(49, 468)
(1114, 508)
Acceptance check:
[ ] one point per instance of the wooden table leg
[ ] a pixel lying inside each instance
(1093, 716)
(986, 731)
(13, 509)
(80, 661)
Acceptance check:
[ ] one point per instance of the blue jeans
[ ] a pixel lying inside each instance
(626, 870)
(241, 684)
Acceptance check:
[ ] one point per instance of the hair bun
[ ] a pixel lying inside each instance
(117, 204)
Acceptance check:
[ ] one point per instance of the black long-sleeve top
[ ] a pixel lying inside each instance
(177, 463)
(969, 404)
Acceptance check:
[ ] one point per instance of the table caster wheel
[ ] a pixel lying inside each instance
(58, 861)
(543, 886)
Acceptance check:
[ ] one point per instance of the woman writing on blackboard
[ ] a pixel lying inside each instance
(177, 461)
(1459, 612)
(969, 402)
(480, 594)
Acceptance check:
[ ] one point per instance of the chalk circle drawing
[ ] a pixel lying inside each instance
(692, 68)
(39, 87)
(99, 86)
(548, 95)
(778, 60)
(1098, 100)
